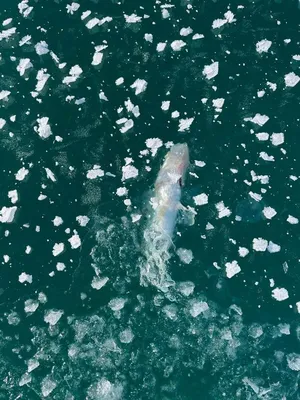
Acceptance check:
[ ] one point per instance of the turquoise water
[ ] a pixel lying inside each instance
(87, 115)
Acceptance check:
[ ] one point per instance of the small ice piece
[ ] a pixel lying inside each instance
(197, 36)
(273, 247)
(73, 7)
(28, 249)
(212, 70)
(243, 251)
(293, 360)
(4, 95)
(7, 214)
(263, 46)
(135, 217)
(185, 255)
(98, 283)
(2, 123)
(132, 19)
(41, 48)
(102, 96)
(119, 81)
(31, 305)
(184, 124)
(75, 241)
(117, 304)
(177, 45)
(201, 199)
(154, 144)
(266, 157)
(23, 277)
(165, 105)
(7, 21)
(47, 386)
(292, 220)
(222, 210)
(232, 268)
(186, 288)
(25, 40)
(21, 174)
(129, 172)
(121, 191)
(97, 58)
(50, 175)
(291, 79)
(24, 64)
(298, 306)
(160, 47)
(258, 119)
(43, 128)
(200, 163)
(94, 173)
(58, 248)
(60, 266)
(198, 307)
(148, 37)
(259, 244)
(25, 379)
(140, 85)
(277, 139)
(126, 336)
(175, 114)
(217, 23)
(269, 212)
(128, 124)
(83, 220)
(74, 72)
(261, 93)
(57, 221)
(92, 23)
(7, 33)
(51, 317)
(32, 364)
(42, 78)
(280, 294)
(262, 136)
(218, 104)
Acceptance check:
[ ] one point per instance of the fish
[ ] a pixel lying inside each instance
(166, 205)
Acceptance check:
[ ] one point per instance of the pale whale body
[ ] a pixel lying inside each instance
(166, 204)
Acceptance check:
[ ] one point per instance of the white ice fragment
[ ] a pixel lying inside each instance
(7, 21)
(92, 23)
(121, 191)
(50, 174)
(2, 123)
(47, 386)
(98, 283)
(129, 172)
(71, 8)
(201, 199)
(232, 268)
(97, 58)
(135, 217)
(74, 74)
(269, 212)
(293, 360)
(41, 48)
(185, 255)
(24, 8)
(83, 220)
(262, 136)
(222, 210)
(24, 64)
(259, 244)
(291, 79)
(186, 31)
(165, 105)
(28, 249)
(58, 248)
(85, 14)
(75, 241)
(132, 19)
(200, 163)
(139, 85)
(212, 70)
(43, 128)
(258, 119)
(177, 45)
(94, 173)
(23, 277)
(117, 304)
(60, 266)
(243, 251)
(153, 144)
(266, 157)
(42, 78)
(218, 103)
(280, 294)
(57, 221)
(273, 247)
(277, 138)
(197, 36)
(7, 214)
(4, 94)
(184, 124)
(126, 336)
(161, 46)
(53, 316)
(186, 288)
(32, 364)
(198, 307)
(148, 37)
(31, 306)
(292, 220)
(13, 196)
(25, 40)
(119, 81)
(263, 46)
(7, 33)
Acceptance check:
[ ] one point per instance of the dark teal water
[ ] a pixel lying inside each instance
(211, 336)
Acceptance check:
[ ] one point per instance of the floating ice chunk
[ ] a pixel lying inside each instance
(75, 241)
(197, 36)
(140, 85)
(148, 37)
(261, 93)
(186, 288)
(186, 31)
(135, 217)
(41, 48)
(94, 173)
(232, 268)
(23, 277)
(218, 103)
(292, 220)
(121, 191)
(217, 23)
(198, 307)
(177, 45)
(184, 124)
(291, 79)
(293, 360)
(74, 72)
(58, 248)
(153, 144)
(31, 305)
(269, 212)
(200, 163)
(50, 174)
(129, 172)
(57, 221)
(4, 94)
(92, 23)
(47, 386)
(273, 247)
(7, 21)
(25, 379)
(263, 46)
(277, 139)
(165, 105)
(212, 70)
(117, 304)
(97, 58)
(25, 40)
(259, 244)
(2, 123)
(73, 7)
(132, 19)
(126, 336)
(160, 47)
(262, 136)
(222, 210)
(280, 294)
(258, 119)
(24, 64)
(243, 251)
(7, 33)
(53, 316)
(83, 220)
(266, 157)
(60, 266)
(98, 283)
(201, 199)
(185, 255)
(7, 214)
(119, 81)
(43, 128)
(32, 364)
(42, 78)
(24, 8)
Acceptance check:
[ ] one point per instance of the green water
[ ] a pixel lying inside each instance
(87, 328)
